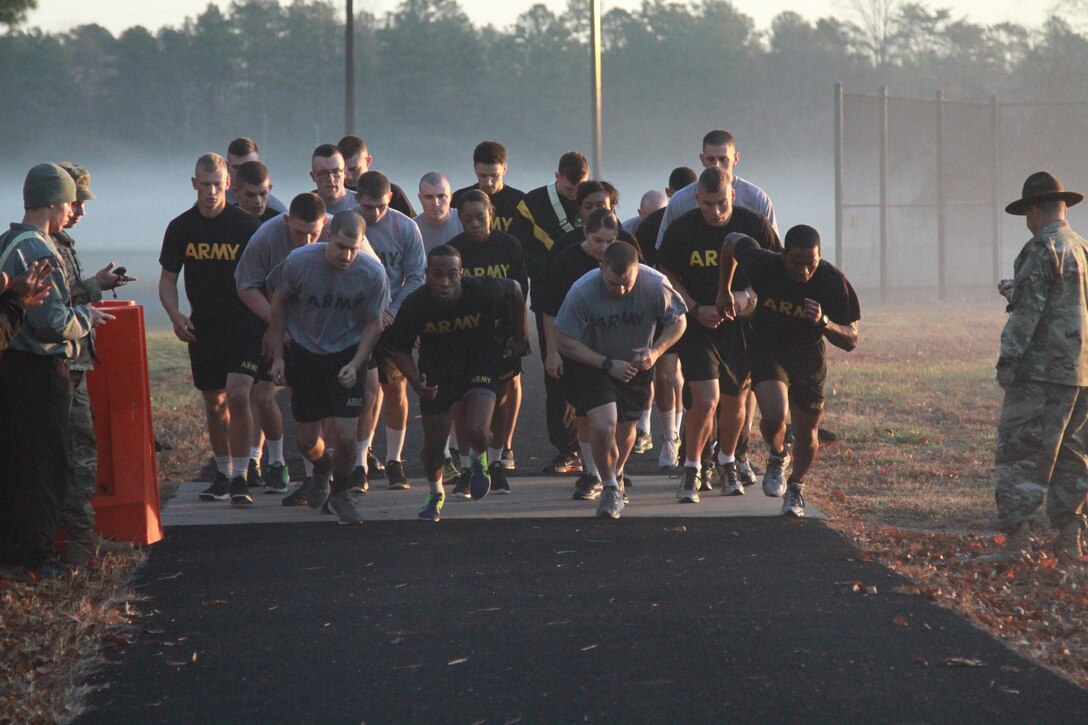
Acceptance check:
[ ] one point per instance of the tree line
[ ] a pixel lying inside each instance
(428, 77)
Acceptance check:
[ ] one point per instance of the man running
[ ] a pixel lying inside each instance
(490, 167)
(207, 241)
(486, 252)
(330, 302)
(465, 326)
(399, 245)
(241, 151)
(256, 278)
(253, 187)
(607, 329)
(547, 213)
(712, 349)
(327, 172)
(437, 224)
(357, 162)
(803, 300)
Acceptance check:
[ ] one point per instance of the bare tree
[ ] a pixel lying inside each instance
(877, 20)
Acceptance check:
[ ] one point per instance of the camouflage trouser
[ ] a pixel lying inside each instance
(76, 511)
(1042, 450)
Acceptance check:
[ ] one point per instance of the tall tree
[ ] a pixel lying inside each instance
(13, 12)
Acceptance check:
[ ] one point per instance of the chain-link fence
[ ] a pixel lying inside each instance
(921, 186)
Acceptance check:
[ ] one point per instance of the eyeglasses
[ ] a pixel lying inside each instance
(330, 174)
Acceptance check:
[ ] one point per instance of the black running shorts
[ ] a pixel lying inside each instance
(803, 369)
(717, 354)
(315, 391)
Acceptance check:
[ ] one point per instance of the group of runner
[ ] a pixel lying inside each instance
(348, 298)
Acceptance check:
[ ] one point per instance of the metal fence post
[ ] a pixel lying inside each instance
(942, 245)
(883, 193)
(838, 173)
(995, 186)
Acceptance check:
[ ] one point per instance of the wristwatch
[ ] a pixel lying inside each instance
(824, 322)
(606, 365)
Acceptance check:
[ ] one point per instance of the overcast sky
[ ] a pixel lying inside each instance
(116, 15)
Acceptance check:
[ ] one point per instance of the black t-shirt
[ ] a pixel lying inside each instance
(506, 207)
(579, 235)
(455, 338)
(269, 213)
(691, 247)
(569, 266)
(208, 250)
(646, 234)
(499, 255)
(779, 316)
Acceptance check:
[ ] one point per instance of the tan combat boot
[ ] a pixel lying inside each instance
(1067, 544)
(1016, 545)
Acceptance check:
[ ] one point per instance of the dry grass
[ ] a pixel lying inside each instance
(910, 481)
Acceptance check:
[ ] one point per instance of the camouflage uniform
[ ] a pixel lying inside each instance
(1042, 435)
(76, 511)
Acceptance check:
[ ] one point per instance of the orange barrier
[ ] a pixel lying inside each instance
(126, 502)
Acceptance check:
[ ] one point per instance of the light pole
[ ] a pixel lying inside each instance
(595, 53)
(349, 70)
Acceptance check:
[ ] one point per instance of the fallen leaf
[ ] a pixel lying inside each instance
(458, 661)
(900, 621)
(963, 662)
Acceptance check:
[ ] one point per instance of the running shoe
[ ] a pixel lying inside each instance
(643, 442)
(793, 502)
(394, 474)
(499, 484)
(669, 457)
(611, 504)
(219, 490)
(507, 459)
(301, 494)
(432, 507)
(727, 476)
(745, 474)
(689, 489)
(278, 478)
(479, 482)
(372, 463)
(565, 463)
(451, 470)
(357, 482)
(239, 494)
(461, 488)
(253, 474)
(709, 476)
(587, 488)
(319, 491)
(344, 509)
(625, 483)
(774, 483)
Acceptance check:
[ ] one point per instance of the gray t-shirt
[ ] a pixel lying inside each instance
(260, 264)
(398, 243)
(328, 307)
(616, 327)
(273, 203)
(347, 201)
(436, 234)
(747, 195)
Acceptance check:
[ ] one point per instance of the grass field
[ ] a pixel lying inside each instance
(915, 407)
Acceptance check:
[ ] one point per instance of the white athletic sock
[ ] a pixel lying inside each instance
(239, 467)
(679, 417)
(692, 464)
(255, 453)
(223, 464)
(360, 452)
(493, 454)
(466, 460)
(589, 466)
(275, 451)
(437, 487)
(446, 450)
(612, 483)
(394, 443)
(308, 468)
(668, 425)
(644, 421)
(723, 458)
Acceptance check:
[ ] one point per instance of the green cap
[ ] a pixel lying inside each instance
(82, 177)
(46, 185)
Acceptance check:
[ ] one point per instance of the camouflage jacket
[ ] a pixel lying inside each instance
(1044, 339)
(83, 291)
